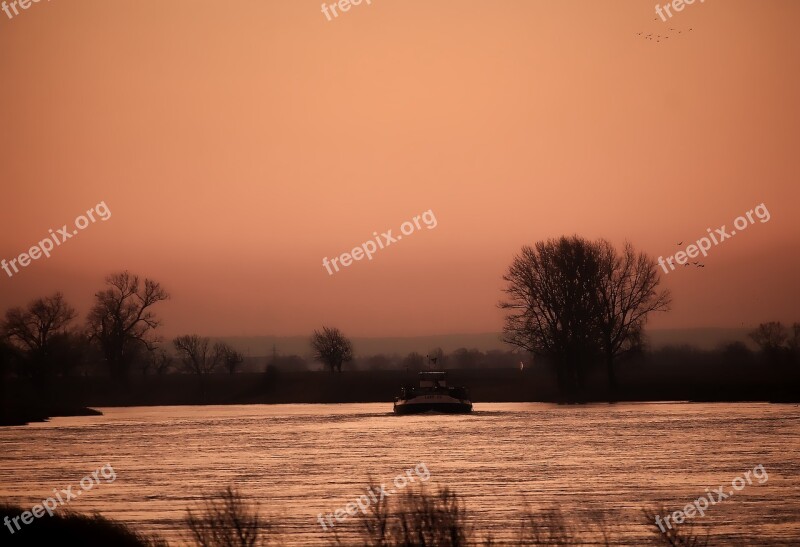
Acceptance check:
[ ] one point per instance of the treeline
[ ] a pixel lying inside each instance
(575, 308)
(461, 358)
(45, 340)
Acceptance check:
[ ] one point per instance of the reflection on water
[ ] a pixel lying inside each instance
(301, 460)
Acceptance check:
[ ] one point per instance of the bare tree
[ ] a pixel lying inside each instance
(227, 520)
(769, 336)
(415, 517)
(161, 361)
(34, 327)
(414, 361)
(199, 357)
(573, 300)
(231, 359)
(332, 348)
(628, 293)
(41, 331)
(121, 319)
(553, 305)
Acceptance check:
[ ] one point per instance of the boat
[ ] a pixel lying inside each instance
(433, 395)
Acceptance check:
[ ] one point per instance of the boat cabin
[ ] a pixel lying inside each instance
(433, 380)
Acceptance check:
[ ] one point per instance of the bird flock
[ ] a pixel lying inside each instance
(696, 264)
(659, 37)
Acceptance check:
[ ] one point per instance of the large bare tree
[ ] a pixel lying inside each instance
(572, 300)
(332, 348)
(552, 304)
(122, 321)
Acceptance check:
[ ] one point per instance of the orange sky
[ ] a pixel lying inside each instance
(238, 143)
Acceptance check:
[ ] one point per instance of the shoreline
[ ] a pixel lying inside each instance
(80, 396)
(12, 415)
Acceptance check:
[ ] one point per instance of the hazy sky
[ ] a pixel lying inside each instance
(238, 143)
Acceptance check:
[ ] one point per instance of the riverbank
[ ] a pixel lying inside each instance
(23, 414)
(75, 395)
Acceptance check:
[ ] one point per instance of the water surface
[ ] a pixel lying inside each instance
(301, 460)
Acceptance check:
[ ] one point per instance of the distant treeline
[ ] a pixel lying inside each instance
(576, 311)
(45, 340)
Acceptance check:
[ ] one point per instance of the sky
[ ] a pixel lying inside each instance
(238, 144)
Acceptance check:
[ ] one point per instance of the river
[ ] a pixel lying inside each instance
(298, 461)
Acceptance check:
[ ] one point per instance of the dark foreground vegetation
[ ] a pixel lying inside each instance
(66, 528)
(434, 518)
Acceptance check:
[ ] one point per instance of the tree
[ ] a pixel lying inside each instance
(414, 361)
(41, 332)
(121, 320)
(231, 358)
(572, 300)
(769, 336)
(227, 520)
(331, 348)
(628, 293)
(199, 357)
(467, 358)
(553, 304)
(161, 361)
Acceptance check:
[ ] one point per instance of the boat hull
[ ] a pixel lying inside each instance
(422, 405)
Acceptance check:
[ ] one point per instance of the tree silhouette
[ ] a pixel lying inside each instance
(414, 361)
(331, 348)
(121, 319)
(231, 359)
(769, 336)
(40, 331)
(572, 300)
(199, 357)
(553, 304)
